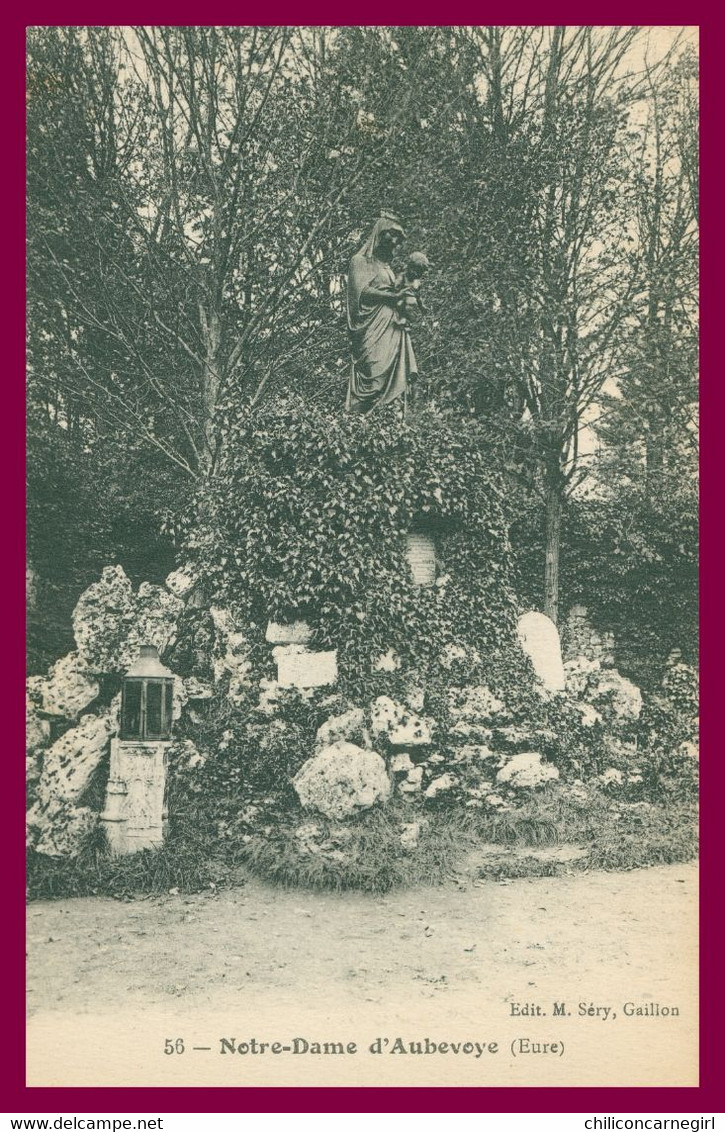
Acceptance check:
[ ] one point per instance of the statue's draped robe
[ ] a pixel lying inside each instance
(383, 361)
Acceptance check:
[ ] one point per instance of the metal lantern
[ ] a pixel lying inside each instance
(147, 700)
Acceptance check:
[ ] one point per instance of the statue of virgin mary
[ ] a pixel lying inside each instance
(383, 361)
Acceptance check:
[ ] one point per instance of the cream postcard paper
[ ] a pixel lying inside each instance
(362, 568)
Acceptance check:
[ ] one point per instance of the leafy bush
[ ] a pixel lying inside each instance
(632, 559)
(89, 504)
(307, 518)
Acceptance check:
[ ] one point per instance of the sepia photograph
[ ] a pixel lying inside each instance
(362, 556)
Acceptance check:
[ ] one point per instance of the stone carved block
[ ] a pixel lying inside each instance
(298, 667)
(134, 813)
(295, 633)
(421, 555)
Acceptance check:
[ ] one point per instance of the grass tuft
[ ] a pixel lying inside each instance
(366, 853)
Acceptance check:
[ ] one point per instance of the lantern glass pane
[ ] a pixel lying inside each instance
(153, 709)
(131, 722)
(169, 706)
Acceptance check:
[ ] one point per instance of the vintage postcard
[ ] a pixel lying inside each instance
(362, 537)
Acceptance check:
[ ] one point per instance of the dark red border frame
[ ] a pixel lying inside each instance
(14, 1096)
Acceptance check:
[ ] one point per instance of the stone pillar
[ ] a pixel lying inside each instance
(134, 816)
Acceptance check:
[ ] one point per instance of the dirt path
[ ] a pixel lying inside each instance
(263, 953)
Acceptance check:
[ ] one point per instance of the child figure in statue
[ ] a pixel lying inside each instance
(408, 283)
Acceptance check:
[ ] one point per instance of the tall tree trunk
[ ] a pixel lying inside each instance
(211, 329)
(496, 84)
(553, 496)
(654, 454)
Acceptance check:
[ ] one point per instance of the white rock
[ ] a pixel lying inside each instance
(60, 829)
(413, 781)
(185, 756)
(589, 715)
(157, 615)
(349, 726)
(309, 831)
(441, 785)
(110, 622)
(197, 689)
(477, 752)
(71, 761)
(402, 727)
(230, 638)
(341, 780)
(114, 712)
(102, 620)
(401, 763)
(624, 696)
(451, 654)
(269, 697)
(37, 731)
(460, 655)
(33, 767)
(690, 750)
(414, 696)
(539, 639)
(299, 667)
(472, 732)
(474, 703)
(526, 770)
(577, 792)
(224, 623)
(240, 684)
(231, 655)
(579, 671)
(68, 689)
(481, 791)
(296, 633)
(522, 737)
(181, 582)
(411, 834)
(413, 731)
(387, 662)
(611, 777)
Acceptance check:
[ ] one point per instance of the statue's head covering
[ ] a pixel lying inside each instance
(363, 269)
(386, 222)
